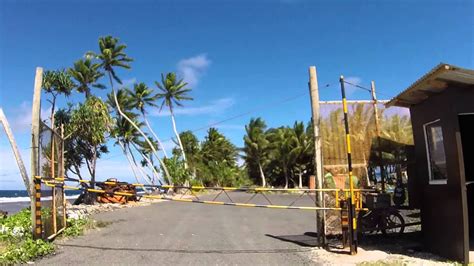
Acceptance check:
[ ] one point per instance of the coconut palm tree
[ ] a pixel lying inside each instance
(112, 55)
(123, 128)
(141, 97)
(256, 146)
(282, 141)
(301, 152)
(87, 75)
(173, 91)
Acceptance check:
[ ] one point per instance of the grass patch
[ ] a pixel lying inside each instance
(17, 244)
(77, 227)
(16, 241)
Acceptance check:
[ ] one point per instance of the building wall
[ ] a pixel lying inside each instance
(443, 206)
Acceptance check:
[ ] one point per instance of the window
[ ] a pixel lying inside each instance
(435, 152)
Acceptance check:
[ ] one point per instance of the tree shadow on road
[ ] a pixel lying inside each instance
(308, 239)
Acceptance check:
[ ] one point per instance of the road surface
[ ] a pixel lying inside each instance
(197, 234)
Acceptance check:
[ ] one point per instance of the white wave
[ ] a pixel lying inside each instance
(27, 199)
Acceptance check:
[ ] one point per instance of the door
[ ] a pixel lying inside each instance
(466, 126)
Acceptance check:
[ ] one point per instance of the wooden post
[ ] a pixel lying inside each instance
(62, 175)
(16, 152)
(377, 132)
(35, 130)
(53, 175)
(318, 161)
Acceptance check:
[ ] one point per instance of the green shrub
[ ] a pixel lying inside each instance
(25, 251)
(16, 241)
(75, 227)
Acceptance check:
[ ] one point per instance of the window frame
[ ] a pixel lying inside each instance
(430, 179)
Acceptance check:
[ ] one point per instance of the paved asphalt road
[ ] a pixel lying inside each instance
(197, 234)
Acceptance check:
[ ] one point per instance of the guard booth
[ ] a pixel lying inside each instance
(442, 113)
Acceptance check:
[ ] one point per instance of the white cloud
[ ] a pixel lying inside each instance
(20, 117)
(191, 69)
(214, 107)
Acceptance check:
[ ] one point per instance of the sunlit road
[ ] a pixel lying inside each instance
(196, 234)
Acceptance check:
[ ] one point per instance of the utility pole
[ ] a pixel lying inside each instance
(377, 132)
(351, 203)
(35, 130)
(16, 152)
(318, 161)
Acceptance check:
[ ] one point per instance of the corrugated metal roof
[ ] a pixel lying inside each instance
(433, 82)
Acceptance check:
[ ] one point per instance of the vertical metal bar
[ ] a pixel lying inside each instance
(352, 214)
(337, 199)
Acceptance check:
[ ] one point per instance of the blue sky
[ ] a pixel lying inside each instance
(236, 55)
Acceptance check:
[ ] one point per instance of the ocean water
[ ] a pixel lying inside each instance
(12, 201)
(10, 196)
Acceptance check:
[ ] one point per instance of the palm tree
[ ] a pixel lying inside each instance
(173, 92)
(124, 128)
(123, 133)
(141, 96)
(86, 74)
(301, 153)
(192, 150)
(112, 55)
(282, 141)
(256, 146)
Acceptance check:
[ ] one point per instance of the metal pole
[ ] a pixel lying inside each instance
(377, 132)
(318, 161)
(36, 183)
(352, 213)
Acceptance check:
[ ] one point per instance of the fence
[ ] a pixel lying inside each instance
(395, 133)
(50, 159)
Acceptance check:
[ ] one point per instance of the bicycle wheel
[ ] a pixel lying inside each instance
(366, 223)
(392, 223)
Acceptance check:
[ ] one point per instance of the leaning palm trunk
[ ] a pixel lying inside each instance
(300, 179)
(179, 139)
(129, 161)
(138, 129)
(285, 172)
(154, 135)
(149, 162)
(140, 169)
(262, 175)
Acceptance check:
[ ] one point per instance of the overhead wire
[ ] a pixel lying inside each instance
(366, 89)
(258, 107)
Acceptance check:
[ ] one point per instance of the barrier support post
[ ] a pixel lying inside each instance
(351, 203)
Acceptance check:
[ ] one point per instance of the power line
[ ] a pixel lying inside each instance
(258, 107)
(366, 89)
